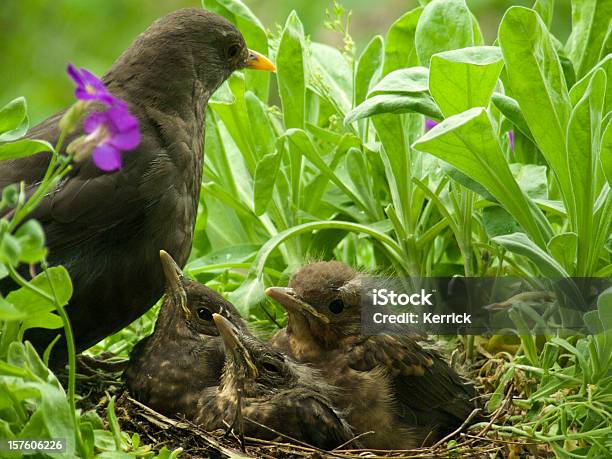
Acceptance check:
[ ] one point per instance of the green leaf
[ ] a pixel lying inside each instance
(400, 50)
(532, 179)
(291, 72)
(606, 151)
(563, 249)
(12, 115)
(54, 280)
(546, 9)
(443, 26)
(467, 142)
(32, 240)
(581, 86)
(520, 244)
(369, 67)
(590, 31)
(538, 84)
(497, 222)
(583, 145)
(403, 81)
(265, 177)
(22, 148)
(511, 110)
(254, 34)
(421, 103)
(464, 78)
(336, 75)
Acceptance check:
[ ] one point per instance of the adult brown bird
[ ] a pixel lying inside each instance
(169, 368)
(108, 228)
(425, 396)
(264, 393)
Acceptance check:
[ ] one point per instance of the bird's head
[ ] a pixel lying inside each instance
(192, 49)
(189, 306)
(254, 365)
(324, 300)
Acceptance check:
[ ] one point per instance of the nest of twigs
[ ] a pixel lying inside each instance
(469, 441)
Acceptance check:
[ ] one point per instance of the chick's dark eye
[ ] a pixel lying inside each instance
(271, 367)
(233, 51)
(336, 306)
(204, 314)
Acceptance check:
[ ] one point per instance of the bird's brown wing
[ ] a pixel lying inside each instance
(428, 391)
(309, 417)
(400, 355)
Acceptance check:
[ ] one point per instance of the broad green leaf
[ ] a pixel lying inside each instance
(583, 144)
(333, 74)
(545, 8)
(467, 142)
(591, 23)
(400, 50)
(54, 283)
(265, 177)
(443, 26)
(520, 244)
(291, 71)
(537, 83)
(581, 86)
(12, 115)
(369, 68)
(606, 151)
(304, 144)
(403, 81)
(235, 117)
(464, 78)
(254, 34)
(226, 255)
(32, 240)
(497, 222)
(511, 110)
(259, 116)
(392, 103)
(563, 249)
(22, 148)
(531, 179)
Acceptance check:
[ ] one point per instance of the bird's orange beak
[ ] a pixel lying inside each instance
(257, 61)
(292, 304)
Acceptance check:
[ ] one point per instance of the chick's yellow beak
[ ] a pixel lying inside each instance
(257, 61)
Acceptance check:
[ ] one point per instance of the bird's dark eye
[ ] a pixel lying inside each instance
(336, 306)
(204, 314)
(233, 51)
(271, 367)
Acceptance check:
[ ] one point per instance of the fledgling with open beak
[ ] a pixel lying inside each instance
(184, 354)
(323, 304)
(264, 393)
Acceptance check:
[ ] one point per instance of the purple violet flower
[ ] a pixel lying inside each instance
(114, 131)
(511, 139)
(429, 124)
(90, 87)
(108, 133)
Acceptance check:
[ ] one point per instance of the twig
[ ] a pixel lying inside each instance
(461, 427)
(356, 437)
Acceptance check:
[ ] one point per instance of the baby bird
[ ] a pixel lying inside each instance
(264, 393)
(168, 369)
(389, 382)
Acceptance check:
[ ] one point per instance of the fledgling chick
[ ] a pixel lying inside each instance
(168, 369)
(264, 393)
(428, 398)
